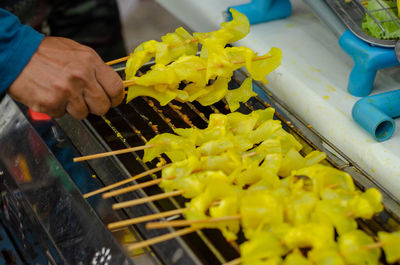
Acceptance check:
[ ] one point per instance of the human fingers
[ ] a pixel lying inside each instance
(96, 99)
(110, 82)
(77, 108)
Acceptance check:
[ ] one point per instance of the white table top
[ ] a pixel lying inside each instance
(312, 80)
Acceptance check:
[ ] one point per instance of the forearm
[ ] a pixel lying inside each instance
(17, 45)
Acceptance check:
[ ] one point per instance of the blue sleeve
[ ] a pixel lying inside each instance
(17, 45)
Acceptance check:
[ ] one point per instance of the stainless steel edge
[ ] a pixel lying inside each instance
(64, 215)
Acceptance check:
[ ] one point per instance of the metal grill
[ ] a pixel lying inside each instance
(352, 14)
(135, 123)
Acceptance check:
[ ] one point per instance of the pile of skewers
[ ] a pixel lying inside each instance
(178, 73)
(244, 172)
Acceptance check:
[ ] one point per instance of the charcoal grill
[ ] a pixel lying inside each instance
(71, 230)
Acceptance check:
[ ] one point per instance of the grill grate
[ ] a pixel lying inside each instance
(135, 123)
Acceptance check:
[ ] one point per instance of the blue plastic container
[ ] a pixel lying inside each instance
(375, 114)
(259, 11)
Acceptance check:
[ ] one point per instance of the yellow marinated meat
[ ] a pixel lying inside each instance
(262, 247)
(326, 256)
(186, 68)
(314, 235)
(332, 211)
(353, 248)
(229, 32)
(321, 177)
(196, 181)
(206, 76)
(241, 124)
(299, 208)
(269, 153)
(258, 209)
(141, 55)
(241, 94)
(296, 258)
(215, 92)
(259, 69)
(391, 245)
(366, 204)
(150, 91)
(293, 160)
(174, 45)
(177, 148)
(218, 199)
(248, 175)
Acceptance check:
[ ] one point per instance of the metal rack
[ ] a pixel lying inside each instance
(135, 123)
(352, 13)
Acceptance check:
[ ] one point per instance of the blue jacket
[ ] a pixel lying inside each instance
(17, 45)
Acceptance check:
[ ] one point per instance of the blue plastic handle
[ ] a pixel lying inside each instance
(375, 114)
(367, 61)
(259, 11)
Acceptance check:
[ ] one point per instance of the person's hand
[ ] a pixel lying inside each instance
(64, 76)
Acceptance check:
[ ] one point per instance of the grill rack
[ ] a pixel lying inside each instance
(352, 14)
(138, 121)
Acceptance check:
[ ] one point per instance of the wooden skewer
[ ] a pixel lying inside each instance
(128, 83)
(134, 187)
(130, 203)
(178, 223)
(122, 182)
(373, 246)
(116, 152)
(234, 262)
(117, 60)
(141, 219)
(160, 239)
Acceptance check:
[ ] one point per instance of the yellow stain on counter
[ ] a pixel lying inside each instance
(288, 26)
(326, 97)
(368, 140)
(331, 88)
(372, 170)
(314, 70)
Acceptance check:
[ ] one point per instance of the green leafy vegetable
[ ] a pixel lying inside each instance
(392, 30)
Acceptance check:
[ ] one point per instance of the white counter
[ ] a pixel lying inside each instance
(312, 80)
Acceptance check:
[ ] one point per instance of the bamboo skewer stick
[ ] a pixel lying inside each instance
(159, 239)
(117, 60)
(178, 223)
(128, 83)
(373, 245)
(130, 203)
(116, 152)
(141, 219)
(122, 182)
(234, 262)
(134, 187)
